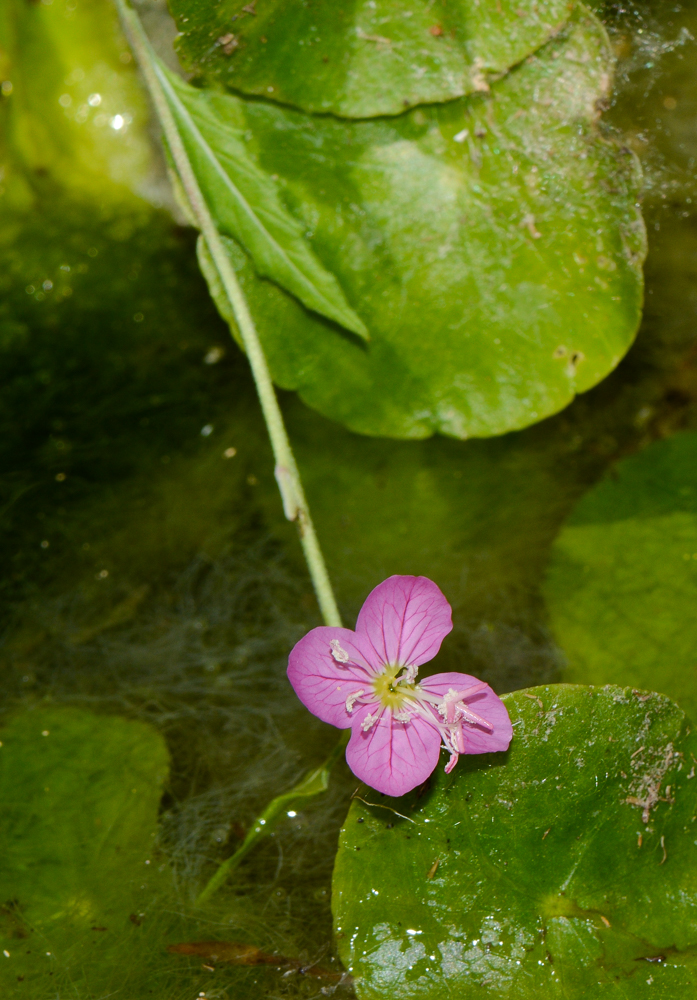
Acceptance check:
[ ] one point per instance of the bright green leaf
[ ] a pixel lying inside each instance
(75, 112)
(360, 59)
(622, 584)
(80, 794)
(560, 869)
(244, 203)
(493, 246)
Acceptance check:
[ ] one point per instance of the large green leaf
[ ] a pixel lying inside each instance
(360, 59)
(622, 584)
(244, 203)
(80, 794)
(565, 868)
(493, 247)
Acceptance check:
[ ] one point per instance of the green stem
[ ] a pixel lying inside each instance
(292, 494)
(314, 782)
(294, 503)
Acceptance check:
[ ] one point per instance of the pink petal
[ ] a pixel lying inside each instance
(406, 618)
(321, 682)
(393, 757)
(485, 703)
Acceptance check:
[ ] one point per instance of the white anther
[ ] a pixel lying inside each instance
(402, 716)
(339, 654)
(409, 675)
(369, 722)
(352, 699)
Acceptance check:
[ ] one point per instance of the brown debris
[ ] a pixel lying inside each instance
(648, 786)
(665, 852)
(234, 953)
(228, 43)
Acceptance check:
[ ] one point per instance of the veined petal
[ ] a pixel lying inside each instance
(323, 679)
(393, 757)
(406, 618)
(486, 704)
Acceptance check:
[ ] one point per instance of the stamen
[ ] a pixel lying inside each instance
(402, 716)
(339, 654)
(369, 721)
(452, 708)
(352, 699)
(476, 720)
(409, 675)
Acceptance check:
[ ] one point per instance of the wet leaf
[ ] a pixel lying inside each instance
(80, 795)
(565, 868)
(492, 245)
(244, 202)
(622, 583)
(359, 59)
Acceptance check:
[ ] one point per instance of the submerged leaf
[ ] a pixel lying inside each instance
(80, 795)
(244, 203)
(71, 108)
(362, 59)
(493, 246)
(566, 868)
(622, 584)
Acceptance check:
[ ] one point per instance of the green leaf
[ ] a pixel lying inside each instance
(80, 795)
(493, 246)
(359, 60)
(622, 583)
(244, 203)
(75, 114)
(560, 869)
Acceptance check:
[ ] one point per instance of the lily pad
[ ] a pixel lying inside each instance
(565, 868)
(361, 58)
(622, 583)
(80, 796)
(492, 246)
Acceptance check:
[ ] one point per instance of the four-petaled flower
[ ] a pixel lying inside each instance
(367, 680)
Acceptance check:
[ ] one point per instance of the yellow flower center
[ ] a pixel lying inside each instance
(389, 691)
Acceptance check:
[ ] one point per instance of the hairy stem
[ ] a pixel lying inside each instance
(287, 476)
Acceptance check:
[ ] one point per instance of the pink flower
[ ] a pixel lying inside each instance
(366, 680)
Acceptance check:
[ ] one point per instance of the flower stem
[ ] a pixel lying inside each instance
(294, 503)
